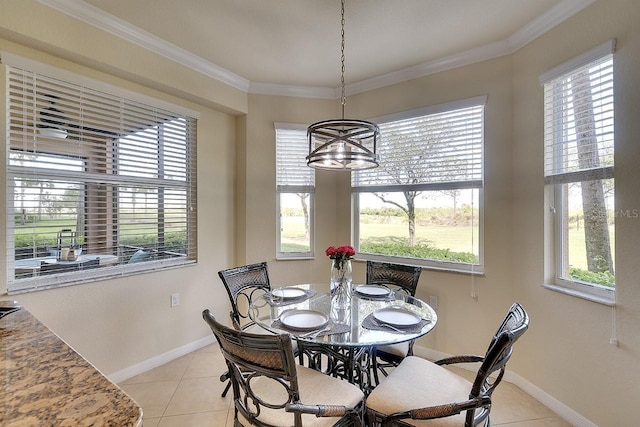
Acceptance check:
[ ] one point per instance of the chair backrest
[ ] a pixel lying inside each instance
(515, 323)
(254, 360)
(139, 256)
(243, 284)
(403, 276)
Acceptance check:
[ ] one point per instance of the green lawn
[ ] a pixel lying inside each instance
(47, 230)
(455, 238)
(578, 251)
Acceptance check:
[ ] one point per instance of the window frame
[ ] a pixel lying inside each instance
(12, 64)
(471, 184)
(555, 183)
(294, 188)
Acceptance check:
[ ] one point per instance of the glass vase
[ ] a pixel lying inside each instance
(341, 278)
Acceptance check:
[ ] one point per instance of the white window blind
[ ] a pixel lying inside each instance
(116, 174)
(292, 172)
(579, 131)
(295, 186)
(440, 150)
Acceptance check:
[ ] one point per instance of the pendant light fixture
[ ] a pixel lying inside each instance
(343, 144)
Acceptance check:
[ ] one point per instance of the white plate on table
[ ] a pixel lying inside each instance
(396, 316)
(376, 291)
(304, 320)
(288, 293)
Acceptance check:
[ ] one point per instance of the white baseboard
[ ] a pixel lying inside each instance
(568, 414)
(534, 391)
(161, 359)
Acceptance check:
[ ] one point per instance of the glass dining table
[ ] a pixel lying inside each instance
(341, 341)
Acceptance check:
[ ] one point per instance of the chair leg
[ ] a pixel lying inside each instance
(225, 377)
(226, 389)
(374, 368)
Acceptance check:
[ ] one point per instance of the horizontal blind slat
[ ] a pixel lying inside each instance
(579, 121)
(436, 148)
(291, 165)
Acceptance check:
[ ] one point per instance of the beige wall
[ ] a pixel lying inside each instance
(566, 356)
(120, 323)
(567, 351)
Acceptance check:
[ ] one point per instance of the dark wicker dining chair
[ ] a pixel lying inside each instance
(401, 276)
(404, 277)
(423, 393)
(269, 390)
(243, 284)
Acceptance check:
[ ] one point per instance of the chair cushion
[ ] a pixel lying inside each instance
(417, 383)
(315, 388)
(400, 349)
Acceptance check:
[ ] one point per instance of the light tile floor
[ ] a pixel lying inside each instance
(187, 393)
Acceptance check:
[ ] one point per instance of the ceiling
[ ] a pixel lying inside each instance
(265, 46)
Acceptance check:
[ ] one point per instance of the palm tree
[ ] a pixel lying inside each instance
(596, 227)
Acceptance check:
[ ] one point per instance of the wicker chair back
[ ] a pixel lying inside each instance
(244, 284)
(403, 276)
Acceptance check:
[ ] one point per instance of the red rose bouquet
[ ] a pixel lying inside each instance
(340, 254)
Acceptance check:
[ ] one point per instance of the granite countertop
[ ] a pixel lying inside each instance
(46, 383)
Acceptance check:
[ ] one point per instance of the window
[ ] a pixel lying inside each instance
(579, 147)
(423, 204)
(295, 183)
(99, 184)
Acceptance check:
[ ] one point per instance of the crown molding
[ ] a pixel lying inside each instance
(98, 18)
(295, 91)
(120, 28)
(472, 56)
(553, 17)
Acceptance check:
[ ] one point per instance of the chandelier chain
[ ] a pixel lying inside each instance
(344, 97)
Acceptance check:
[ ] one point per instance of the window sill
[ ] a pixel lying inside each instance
(468, 270)
(294, 258)
(41, 283)
(608, 301)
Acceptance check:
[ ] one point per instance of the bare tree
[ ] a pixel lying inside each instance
(454, 194)
(409, 210)
(304, 202)
(410, 166)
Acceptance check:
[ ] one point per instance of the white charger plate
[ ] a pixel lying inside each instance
(304, 320)
(288, 293)
(373, 290)
(396, 316)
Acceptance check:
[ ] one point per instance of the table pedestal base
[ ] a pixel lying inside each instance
(354, 364)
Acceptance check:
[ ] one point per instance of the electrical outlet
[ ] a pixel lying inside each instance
(175, 300)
